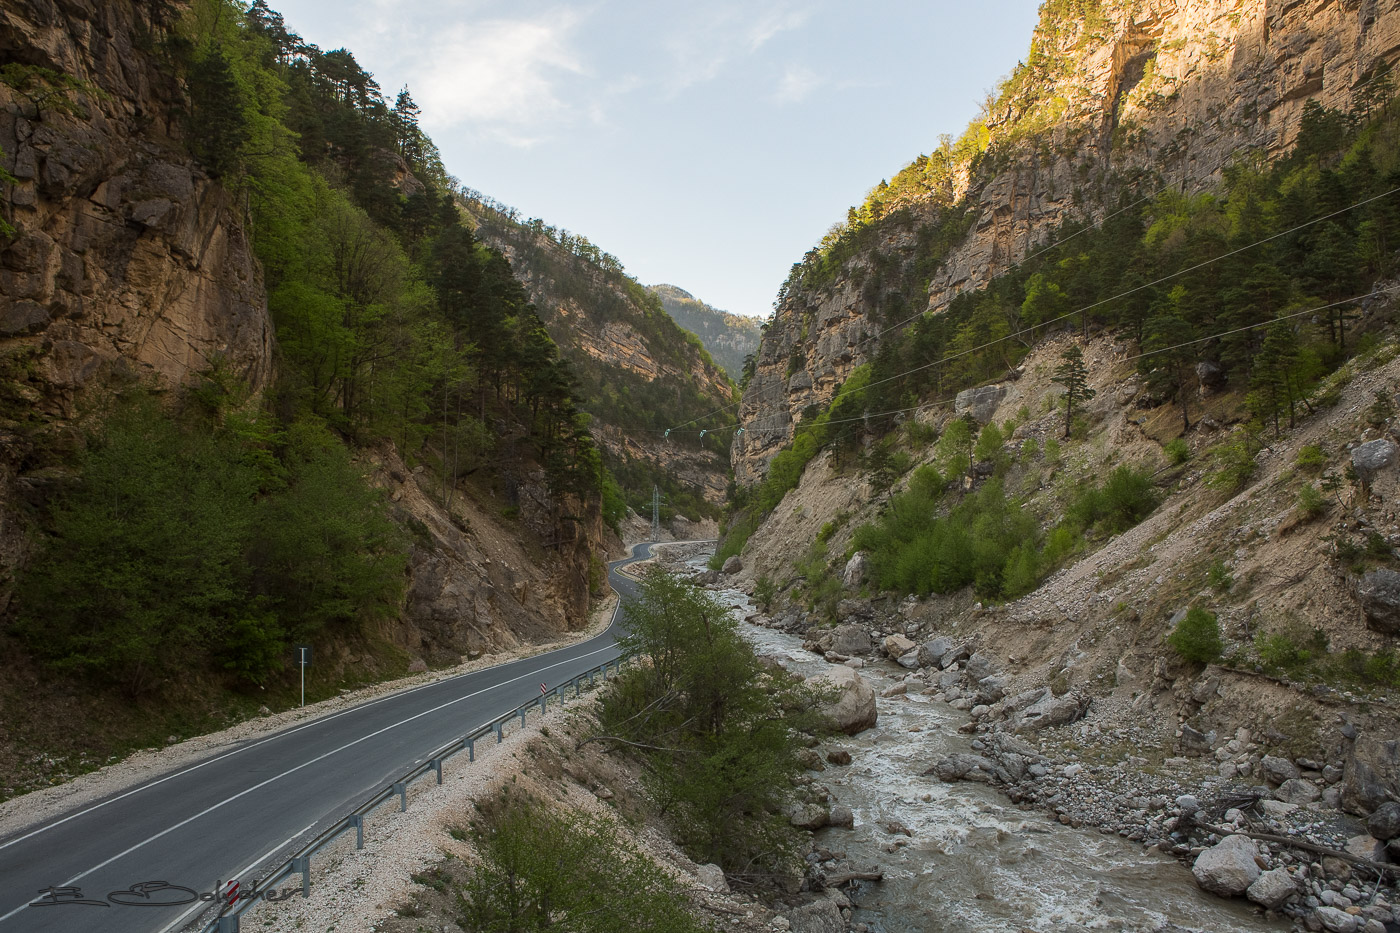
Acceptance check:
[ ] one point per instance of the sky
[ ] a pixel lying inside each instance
(707, 144)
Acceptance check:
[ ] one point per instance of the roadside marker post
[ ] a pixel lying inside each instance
(304, 658)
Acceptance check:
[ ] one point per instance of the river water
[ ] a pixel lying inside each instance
(974, 861)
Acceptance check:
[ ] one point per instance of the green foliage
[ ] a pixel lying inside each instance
(614, 505)
(1178, 451)
(543, 868)
(1218, 577)
(765, 591)
(184, 546)
(719, 729)
(1125, 498)
(989, 445)
(1197, 636)
(1289, 650)
(1233, 463)
(1074, 376)
(1311, 459)
(1311, 502)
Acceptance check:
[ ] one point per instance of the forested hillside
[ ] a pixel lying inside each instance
(730, 338)
(190, 509)
(652, 389)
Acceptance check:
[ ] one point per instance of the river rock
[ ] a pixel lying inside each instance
(841, 818)
(991, 689)
(966, 767)
(1336, 921)
(1272, 888)
(819, 917)
(1372, 457)
(712, 877)
(733, 565)
(1048, 711)
(1372, 773)
(853, 708)
(980, 666)
(954, 655)
(1298, 790)
(1366, 846)
(854, 574)
(896, 646)
(1384, 823)
(1227, 868)
(980, 403)
(1277, 770)
(1379, 595)
(895, 690)
(850, 640)
(807, 816)
(931, 652)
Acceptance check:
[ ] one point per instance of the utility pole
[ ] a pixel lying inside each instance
(655, 513)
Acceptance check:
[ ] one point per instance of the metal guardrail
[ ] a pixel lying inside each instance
(240, 902)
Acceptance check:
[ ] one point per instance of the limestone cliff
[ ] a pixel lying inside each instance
(1152, 92)
(128, 262)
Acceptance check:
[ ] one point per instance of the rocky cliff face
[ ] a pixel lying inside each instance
(1170, 91)
(730, 338)
(129, 262)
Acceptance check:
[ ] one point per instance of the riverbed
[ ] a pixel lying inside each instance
(972, 861)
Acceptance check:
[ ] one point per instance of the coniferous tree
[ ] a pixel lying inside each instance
(1072, 374)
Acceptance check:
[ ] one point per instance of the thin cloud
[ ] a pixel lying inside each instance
(503, 75)
(797, 84)
(717, 33)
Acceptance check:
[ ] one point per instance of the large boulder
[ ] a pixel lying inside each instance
(1372, 773)
(964, 767)
(1379, 595)
(896, 646)
(1373, 456)
(931, 652)
(852, 706)
(1385, 822)
(854, 574)
(733, 565)
(819, 917)
(1336, 920)
(1272, 888)
(1276, 770)
(1048, 711)
(850, 640)
(979, 403)
(1299, 791)
(1227, 868)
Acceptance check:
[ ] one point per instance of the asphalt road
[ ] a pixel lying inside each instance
(243, 810)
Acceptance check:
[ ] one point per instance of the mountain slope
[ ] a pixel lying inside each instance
(730, 338)
(639, 373)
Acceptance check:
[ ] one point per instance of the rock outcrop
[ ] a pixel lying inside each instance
(1175, 87)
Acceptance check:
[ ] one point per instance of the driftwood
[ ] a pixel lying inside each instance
(835, 881)
(1379, 868)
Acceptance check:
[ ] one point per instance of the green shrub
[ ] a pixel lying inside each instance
(542, 868)
(1197, 636)
(1218, 577)
(1234, 464)
(764, 592)
(1311, 459)
(1289, 650)
(1052, 450)
(1311, 502)
(1029, 449)
(1178, 451)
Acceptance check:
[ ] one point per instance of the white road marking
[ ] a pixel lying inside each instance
(227, 800)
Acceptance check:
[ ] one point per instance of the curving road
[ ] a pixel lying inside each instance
(242, 811)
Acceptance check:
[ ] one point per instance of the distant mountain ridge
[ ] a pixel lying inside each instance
(730, 338)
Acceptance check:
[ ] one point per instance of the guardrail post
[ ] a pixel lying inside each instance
(357, 820)
(436, 764)
(471, 749)
(228, 924)
(522, 719)
(578, 687)
(303, 865)
(401, 789)
(544, 703)
(499, 738)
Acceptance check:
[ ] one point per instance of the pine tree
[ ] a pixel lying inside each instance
(1072, 374)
